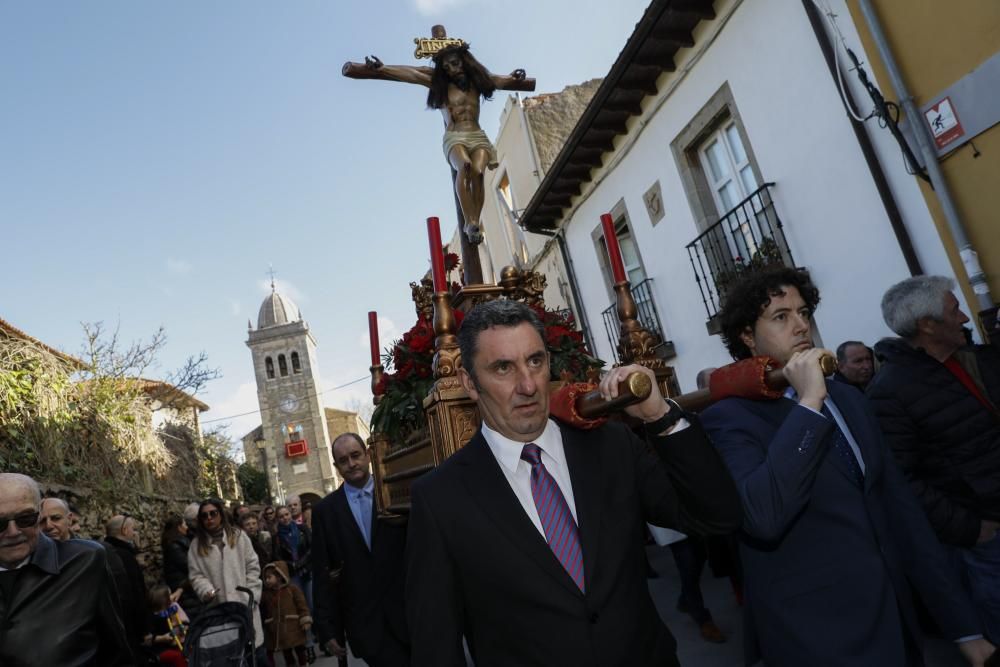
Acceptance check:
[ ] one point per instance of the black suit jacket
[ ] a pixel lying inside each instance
(367, 600)
(477, 566)
(64, 610)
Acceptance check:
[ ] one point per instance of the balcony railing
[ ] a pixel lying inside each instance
(746, 239)
(647, 316)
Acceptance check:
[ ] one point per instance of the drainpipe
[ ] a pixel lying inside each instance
(867, 149)
(573, 286)
(970, 260)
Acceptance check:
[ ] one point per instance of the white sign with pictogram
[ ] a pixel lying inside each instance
(944, 123)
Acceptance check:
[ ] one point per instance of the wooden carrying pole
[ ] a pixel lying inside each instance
(636, 387)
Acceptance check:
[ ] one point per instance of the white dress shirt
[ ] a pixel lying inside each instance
(518, 473)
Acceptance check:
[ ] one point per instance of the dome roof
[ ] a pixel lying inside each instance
(276, 310)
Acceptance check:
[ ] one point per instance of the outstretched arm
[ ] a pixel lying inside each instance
(516, 80)
(373, 68)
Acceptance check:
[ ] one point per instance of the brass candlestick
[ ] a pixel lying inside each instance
(377, 372)
(447, 357)
(637, 345)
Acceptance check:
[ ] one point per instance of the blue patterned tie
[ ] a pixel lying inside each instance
(842, 448)
(557, 521)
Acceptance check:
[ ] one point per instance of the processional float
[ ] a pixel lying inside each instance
(452, 417)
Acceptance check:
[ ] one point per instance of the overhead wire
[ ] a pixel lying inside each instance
(318, 393)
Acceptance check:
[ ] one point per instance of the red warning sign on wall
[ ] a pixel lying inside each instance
(944, 123)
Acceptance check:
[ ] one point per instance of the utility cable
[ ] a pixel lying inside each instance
(319, 393)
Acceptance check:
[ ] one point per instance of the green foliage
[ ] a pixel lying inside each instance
(253, 482)
(91, 425)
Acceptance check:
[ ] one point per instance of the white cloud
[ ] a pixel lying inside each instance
(235, 307)
(179, 266)
(428, 7)
(285, 288)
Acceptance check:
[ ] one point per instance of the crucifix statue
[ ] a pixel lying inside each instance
(455, 83)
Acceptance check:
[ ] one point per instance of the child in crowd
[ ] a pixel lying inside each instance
(168, 626)
(285, 615)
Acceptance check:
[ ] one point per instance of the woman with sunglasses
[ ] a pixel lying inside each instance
(220, 559)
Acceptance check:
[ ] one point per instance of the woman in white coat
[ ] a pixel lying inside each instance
(221, 557)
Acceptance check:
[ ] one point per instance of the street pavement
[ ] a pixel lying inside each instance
(692, 650)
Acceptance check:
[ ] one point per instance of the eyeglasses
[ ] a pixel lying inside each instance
(210, 514)
(27, 520)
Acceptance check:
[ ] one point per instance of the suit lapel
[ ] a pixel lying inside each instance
(834, 459)
(487, 485)
(584, 463)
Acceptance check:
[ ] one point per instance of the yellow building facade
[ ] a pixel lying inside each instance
(939, 48)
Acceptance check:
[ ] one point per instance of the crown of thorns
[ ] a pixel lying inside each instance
(463, 48)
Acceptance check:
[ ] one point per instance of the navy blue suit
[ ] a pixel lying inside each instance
(827, 558)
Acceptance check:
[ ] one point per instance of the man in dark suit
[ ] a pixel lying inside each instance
(364, 599)
(831, 531)
(529, 540)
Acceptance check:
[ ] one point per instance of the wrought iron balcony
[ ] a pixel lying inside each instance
(648, 317)
(746, 239)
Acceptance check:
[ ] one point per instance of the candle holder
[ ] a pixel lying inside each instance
(637, 344)
(377, 372)
(447, 357)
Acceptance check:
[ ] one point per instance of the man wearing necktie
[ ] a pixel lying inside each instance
(364, 597)
(529, 541)
(832, 536)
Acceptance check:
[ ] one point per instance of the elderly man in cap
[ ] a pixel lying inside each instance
(47, 585)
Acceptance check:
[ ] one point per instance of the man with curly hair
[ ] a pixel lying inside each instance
(832, 536)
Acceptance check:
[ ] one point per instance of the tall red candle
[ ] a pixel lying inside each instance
(614, 252)
(437, 257)
(373, 336)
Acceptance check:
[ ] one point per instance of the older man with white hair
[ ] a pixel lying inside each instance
(57, 600)
(936, 399)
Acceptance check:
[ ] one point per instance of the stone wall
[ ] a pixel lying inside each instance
(150, 511)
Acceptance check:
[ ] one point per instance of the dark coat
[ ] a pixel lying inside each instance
(298, 567)
(477, 566)
(366, 600)
(64, 610)
(283, 611)
(944, 439)
(175, 574)
(826, 560)
(131, 590)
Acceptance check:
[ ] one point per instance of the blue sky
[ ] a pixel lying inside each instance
(156, 158)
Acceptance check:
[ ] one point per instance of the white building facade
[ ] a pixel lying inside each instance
(706, 107)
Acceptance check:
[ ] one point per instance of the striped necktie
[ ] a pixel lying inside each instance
(557, 521)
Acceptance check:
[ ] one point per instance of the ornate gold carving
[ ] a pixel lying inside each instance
(466, 424)
(525, 286)
(427, 47)
(421, 295)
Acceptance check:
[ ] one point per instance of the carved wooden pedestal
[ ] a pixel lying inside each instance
(452, 417)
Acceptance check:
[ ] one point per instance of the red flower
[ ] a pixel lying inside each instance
(450, 260)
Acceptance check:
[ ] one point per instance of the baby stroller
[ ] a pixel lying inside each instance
(222, 635)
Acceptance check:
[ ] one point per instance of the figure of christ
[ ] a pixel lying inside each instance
(456, 83)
